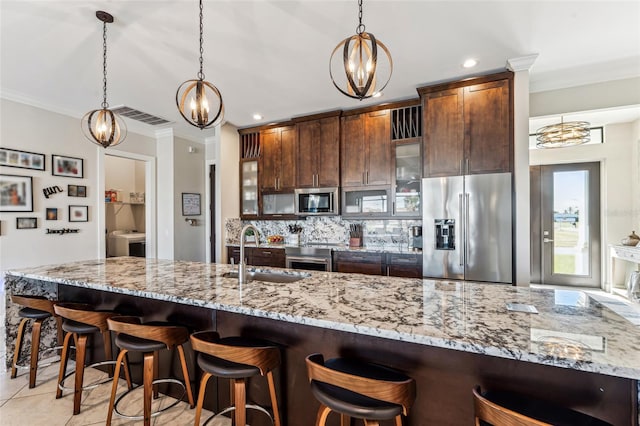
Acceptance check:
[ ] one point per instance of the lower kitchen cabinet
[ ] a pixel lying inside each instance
(258, 256)
(359, 262)
(407, 265)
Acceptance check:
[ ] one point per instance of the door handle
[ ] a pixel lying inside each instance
(547, 240)
(461, 228)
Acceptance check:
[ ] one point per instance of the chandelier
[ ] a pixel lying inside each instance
(359, 72)
(563, 134)
(102, 126)
(203, 97)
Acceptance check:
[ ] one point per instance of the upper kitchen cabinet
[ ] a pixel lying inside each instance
(318, 152)
(249, 155)
(468, 126)
(366, 149)
(278, 159)
(406, 137)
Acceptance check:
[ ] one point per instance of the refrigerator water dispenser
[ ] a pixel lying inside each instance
(445, 234)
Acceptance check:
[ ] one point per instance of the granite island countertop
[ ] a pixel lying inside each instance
(570, 330)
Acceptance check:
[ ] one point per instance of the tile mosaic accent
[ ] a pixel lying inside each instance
(571, 330)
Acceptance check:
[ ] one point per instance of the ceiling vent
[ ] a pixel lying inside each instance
(143, 117)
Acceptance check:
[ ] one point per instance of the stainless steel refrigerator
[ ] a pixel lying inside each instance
(467, 227)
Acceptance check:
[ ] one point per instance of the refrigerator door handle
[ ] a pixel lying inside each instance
(466, 226)
(461, 237)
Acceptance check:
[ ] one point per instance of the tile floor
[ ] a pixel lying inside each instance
(21, 406)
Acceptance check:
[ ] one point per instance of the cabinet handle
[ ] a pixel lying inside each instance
(266, 253)
(387, 271)
(363, 179)
(393, 208)
(367, 177)
(467, 166)
(461, 168)
(275, 183)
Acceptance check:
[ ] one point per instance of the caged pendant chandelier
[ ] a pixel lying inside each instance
(102, 126)
(563, 134)
(203, 97)
(355, 67)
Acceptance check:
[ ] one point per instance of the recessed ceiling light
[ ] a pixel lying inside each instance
(470, 63)
(376, 95)
(257, 117)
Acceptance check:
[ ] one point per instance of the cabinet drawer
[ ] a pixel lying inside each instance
(359, 268)
(405, 259)
(359, 257)
(268, 257)
(406, 271)
(233, 253)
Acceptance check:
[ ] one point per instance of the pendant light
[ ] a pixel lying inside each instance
(563, 134)
(359, 72)
(103, 126)
(203, 97)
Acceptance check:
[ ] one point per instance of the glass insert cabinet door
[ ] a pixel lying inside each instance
(408, 171)
(249, 191)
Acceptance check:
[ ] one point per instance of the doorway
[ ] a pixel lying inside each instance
(212, 211)
(565, 224)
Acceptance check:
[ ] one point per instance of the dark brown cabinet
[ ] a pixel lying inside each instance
(468, 127)
(359, 262)
(366, 149)
(318, 153)
(407, 265)
(278, 159)
(258, 256)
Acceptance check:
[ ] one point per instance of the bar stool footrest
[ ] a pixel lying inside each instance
(156, 413)
(23, 363)
(232, 408)
(90, 386)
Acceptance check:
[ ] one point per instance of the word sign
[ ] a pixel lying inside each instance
(51, 190)
(62, 231)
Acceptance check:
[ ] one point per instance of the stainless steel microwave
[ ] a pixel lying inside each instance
(316, 201)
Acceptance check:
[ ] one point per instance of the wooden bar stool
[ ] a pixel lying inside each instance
(237, 359)
(510, 409)
(356, 389)
(38, 309)
(80, 321)
(147, 338)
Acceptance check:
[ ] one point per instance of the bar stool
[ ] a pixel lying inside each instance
(80, 321)
(38, 309)
(356, 389)
(147, 338)
(237, 359)
(506, 408)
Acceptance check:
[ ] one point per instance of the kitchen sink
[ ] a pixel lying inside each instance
(269, 276)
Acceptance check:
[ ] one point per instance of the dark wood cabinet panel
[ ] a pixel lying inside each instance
(378, 135)
(352, 159)
(278, 159)
(258, 256)
(318, 153)
(233, 253)
(404, 265)
(360, 263)
(487, 118)
(443, 133)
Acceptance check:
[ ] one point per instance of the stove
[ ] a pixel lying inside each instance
(310, 257)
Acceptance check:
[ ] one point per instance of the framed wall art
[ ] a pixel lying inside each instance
(26, 222)
(21, 159)
(76, 190)
(78, 213)
(67, 166)
(52, 213)
(190, 204)
(16, 193)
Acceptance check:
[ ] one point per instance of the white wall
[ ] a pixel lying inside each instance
(228, 182)
(189, 241)
(635, 174)
(618, 165)
(29, 128)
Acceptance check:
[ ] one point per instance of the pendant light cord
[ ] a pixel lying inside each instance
(201, 74)
(360, 28)
(105, 105)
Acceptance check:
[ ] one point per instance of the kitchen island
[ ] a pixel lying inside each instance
(449, 336)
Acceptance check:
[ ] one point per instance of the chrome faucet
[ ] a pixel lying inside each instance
(242, 264)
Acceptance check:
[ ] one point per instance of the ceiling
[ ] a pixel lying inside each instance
(272, 57)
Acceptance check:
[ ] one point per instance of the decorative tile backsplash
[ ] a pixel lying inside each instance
(391, 233)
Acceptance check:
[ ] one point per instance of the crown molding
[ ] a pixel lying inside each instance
(521, 63)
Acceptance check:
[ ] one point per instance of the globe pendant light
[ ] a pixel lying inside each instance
(203, 97)
(563, 134)
(359, 71)
(102, 126)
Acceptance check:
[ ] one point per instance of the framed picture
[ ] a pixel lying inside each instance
(21, 159)
(26, 222)
(82, 191)
(190, 204)
(16, 193)
(78, 213)
(67, 166)
(52, 213)
(72, 190)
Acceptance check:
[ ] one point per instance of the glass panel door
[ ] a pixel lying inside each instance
(249, 188)
(571, 224)
(408, 165)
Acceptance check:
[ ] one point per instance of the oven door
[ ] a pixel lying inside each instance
(309, 263)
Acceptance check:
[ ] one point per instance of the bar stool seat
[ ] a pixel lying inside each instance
(498, 407)
(38, 309)
(148, 338)
(80, 321)
(357, 389)
(236, 358)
